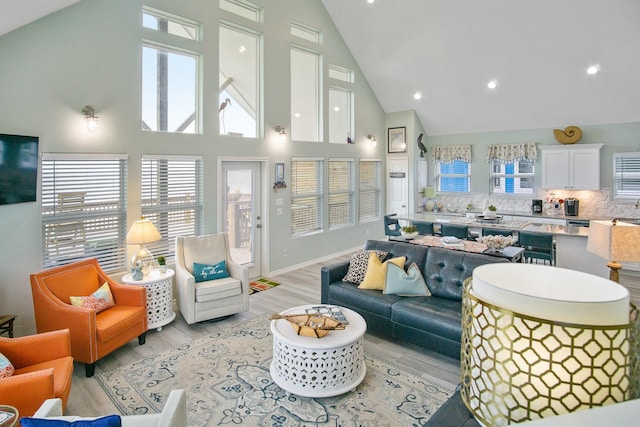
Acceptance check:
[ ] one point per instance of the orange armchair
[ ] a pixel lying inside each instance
(93, 335)
(43, 369)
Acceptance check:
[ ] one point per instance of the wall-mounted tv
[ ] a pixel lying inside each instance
(18, 168)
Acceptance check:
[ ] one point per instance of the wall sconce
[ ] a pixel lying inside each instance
(372, 140)
(91, 118)
(281, 132)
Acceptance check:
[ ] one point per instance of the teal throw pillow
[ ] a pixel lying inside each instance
(204, 272)
(108, 421)
(409, 283)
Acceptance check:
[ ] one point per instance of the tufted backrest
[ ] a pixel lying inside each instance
(446, 270)
(414, 253)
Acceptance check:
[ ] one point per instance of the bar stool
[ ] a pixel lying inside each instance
(424, 227)
(391, 226)
(455, 230)
(537, 246)
(488, 231)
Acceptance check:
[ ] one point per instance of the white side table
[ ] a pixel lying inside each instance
(159, 288)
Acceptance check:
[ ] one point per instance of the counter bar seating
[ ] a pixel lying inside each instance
(455, 230)
(391, 226)
(538, 246)
(488, 231)
(424, 227)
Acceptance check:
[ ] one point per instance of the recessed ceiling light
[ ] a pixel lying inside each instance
(370, 1)
(296, 115)
(417, 95)
(492, 84)
(336, 108)
(242, 49)
(593, 70)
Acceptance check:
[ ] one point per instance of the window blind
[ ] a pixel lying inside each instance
(626, 175)
(172, 199)
(370, 192)
(307, 196)
(341, 192)
(453, 176)
(84, 209)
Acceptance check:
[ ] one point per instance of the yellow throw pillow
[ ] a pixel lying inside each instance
(100, 300)
(377, 271)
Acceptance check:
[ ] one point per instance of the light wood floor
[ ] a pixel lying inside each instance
(298, 287)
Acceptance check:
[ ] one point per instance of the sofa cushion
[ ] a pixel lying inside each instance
(344, 293)
(204, 272)
(376, 271)
(446, 270)
(435, 315)
(100, 300)
(358, 266)
(405, 283)
(217, 289)
(413, 253)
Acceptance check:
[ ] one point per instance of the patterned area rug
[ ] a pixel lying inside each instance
(261, 284)
(227, 379)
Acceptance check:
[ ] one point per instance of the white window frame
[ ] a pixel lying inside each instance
(439, 176)
(370, 191)
(626, 176)
(341, 193)
(497, 179)
(307, 202)
(162, 177)
(299, 120)
(84, 209)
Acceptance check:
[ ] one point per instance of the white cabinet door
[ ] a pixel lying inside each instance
(571, 168)
(555, 169)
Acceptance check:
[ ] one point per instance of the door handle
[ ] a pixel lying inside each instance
(258, 225)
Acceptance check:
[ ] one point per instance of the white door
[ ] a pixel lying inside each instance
(242, 213)
(398, 186)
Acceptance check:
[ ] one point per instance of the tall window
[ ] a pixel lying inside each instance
(340, 115)
(84, 209)
(239, 76)
(305, 95)
(626, 176)
(515, 177)
(341, 192)
(453, 177)
(307, 196)
(172, 198)
(169, 90)
(370, 191)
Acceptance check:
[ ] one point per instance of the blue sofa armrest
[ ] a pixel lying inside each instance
(330, 274)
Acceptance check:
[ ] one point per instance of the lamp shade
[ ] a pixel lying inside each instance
(619, 242)
(539, 341)
(429, 192)
(142, 232)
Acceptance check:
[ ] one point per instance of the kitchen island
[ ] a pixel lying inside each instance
(570, 240)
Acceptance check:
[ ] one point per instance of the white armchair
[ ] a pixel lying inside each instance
(213, 298)
(174, 413)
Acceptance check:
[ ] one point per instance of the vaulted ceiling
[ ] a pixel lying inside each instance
(537, 51)
(448, 51)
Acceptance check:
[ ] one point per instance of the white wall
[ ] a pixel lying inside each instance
(90, 54)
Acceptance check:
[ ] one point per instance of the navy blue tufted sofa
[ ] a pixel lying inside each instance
(431, 322)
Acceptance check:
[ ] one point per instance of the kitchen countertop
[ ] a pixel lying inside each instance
(527, 223)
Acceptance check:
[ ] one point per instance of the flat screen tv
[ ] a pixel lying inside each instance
(18, 168)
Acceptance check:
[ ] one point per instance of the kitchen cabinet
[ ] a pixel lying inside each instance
(571, 168)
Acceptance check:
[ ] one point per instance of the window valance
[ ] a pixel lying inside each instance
(450, 153)
(511, 152)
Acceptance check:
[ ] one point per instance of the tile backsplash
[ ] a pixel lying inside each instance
(593, 204)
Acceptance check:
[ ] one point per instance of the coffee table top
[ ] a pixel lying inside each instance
(337, 338)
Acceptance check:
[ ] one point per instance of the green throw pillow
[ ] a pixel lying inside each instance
(409, 283)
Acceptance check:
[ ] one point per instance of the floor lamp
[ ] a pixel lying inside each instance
(614, 241)
(539, 341)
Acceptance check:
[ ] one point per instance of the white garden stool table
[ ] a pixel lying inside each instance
(318, 367)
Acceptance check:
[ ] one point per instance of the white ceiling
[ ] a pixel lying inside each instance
(16, 13)
(449, 49)
(538, 52)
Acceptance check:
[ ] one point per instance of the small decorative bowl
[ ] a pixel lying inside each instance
(409, 235)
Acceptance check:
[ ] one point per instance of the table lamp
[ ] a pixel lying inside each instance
(614, 241)
(142, 232)
(430, 195)
(539, 341)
